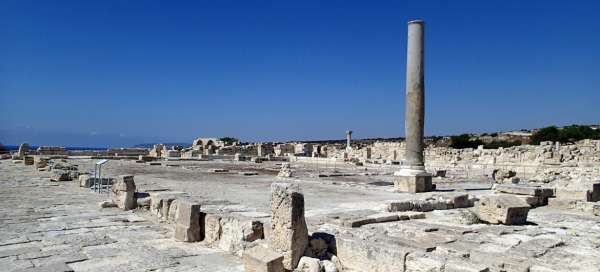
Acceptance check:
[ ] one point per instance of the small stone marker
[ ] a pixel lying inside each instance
(28, 160)
(260, 259)
(187, 221)
(289, 234)
(502, 209)
(60, 176)
(124, 192)
(85, 181)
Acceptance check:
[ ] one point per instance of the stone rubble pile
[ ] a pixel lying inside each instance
(286, 171)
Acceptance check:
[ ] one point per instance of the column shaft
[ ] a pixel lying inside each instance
(415, 95)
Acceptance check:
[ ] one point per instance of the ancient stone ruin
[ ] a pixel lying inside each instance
(220, 204)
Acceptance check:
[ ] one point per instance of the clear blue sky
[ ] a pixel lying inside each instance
(98, 73)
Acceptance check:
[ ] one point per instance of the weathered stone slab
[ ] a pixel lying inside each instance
(28, 160)
(592, 193)
(424, 262)
(289, 233)
(363, 255)
(187, 221)
(413, 184)
(157, 199)
(524, 190)
(59, 175)
(502, 209)
(260, 259)
(236, 233)
(124, 192)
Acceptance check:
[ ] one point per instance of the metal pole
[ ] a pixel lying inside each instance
(100, 178)
(96, 178)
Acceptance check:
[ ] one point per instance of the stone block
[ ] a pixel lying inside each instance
(212, 228)
(461, 201)
(563, 203)
(40, 162)
(60, 176)
(413, 184)
(124, 192)
(399, 206)
(502, 209)
(237, 232)
(124, 183)
(187, 221)
(289, 233)
(357, 254)
(187, 234)
(28, 160)
(308, 264)
(86, 181)
(260, 259)
(524, 190)
(157, 199)
(125, 200)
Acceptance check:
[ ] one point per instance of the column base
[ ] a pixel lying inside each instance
(413, 180)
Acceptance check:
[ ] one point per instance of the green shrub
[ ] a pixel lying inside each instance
(501, 143)
(229, 140)
(567, 134)
(464, 141)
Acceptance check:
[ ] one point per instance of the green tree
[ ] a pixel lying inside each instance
(501, 143)
(229, 140)
(545, 134)
(464, 141)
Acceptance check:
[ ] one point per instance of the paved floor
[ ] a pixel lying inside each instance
(49, 226)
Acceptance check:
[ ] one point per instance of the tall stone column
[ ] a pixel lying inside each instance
(415, 95)
(412, 176)
(348, 139)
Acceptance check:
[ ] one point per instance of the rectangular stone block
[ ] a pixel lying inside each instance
(212, 228)
(28, 160)
(460, 201)
(124, 183)
(60, 176)
(86, 181)
(289, 234)
(357, 254)
(399, 206)
(125, 200)
(259, 259)
(524, 190)
(502, 209)
(187, 234)
(188, 212)
(413, 184)
(187, 221)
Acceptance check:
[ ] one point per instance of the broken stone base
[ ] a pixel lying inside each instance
(289, 233)
(232, 233)
(187, 226)
(124, 193)
(414, 184)
(60, 176)
(260, 259)
(502, 209)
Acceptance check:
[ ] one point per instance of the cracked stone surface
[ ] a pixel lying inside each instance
(50, 226)
(57, 226)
